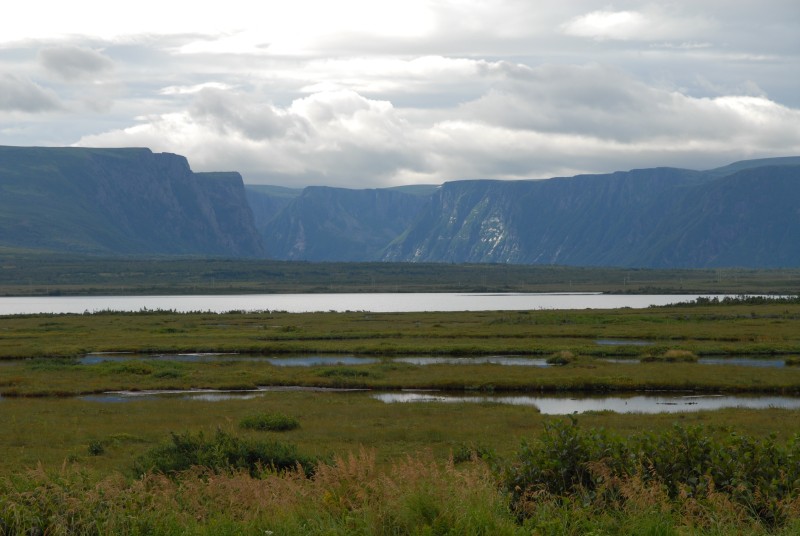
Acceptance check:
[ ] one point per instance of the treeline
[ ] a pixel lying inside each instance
(26, 273)
(739, 300)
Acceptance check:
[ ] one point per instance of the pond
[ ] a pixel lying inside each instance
(344, 360)
(567, 405)
(545, 404)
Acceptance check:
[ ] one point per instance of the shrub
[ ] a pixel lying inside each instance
(272, 422)
(96, 448)
(223, 453)
(563, 357)
(688, 463)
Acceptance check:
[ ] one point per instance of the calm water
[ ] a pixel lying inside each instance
(548, 405)
(302, 303)
(330, 360)
(556, 405)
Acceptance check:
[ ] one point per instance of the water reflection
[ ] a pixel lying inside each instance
(558, 405)
(94, 359)
(491, 360)
(742, 361)
(317, 360)
(206, 395)
(305, 303)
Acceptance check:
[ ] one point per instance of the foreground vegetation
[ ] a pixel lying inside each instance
(300, 462)
(568, 481)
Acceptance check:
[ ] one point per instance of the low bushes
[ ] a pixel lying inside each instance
(757, 476)
(222, 452)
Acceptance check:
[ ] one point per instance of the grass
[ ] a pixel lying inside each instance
(415, 494)
(67, 464)
(676, 336)
(269, 422)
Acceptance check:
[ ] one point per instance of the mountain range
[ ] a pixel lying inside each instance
(135, 202)
(746, 214)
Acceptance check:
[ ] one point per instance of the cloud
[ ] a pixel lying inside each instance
(649, 24)
(71, 62)
(608, 25)
(358, 93)
(22, 95)
(552, 120)
(188, 90)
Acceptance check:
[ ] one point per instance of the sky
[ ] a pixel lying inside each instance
(369, 93)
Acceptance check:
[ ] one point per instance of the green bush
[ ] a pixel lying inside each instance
(222, 452)
(759, 474)
(271, 422)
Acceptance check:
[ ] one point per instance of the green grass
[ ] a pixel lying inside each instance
(269, 422)
(67, 465)
(677, 335)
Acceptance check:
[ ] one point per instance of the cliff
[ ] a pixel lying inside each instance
(121, 201)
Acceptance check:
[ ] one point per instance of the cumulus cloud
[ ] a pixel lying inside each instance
(23, 95)
(540, 122)
(423, 91)
(71, 62)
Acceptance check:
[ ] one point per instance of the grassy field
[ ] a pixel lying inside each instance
(68, 463)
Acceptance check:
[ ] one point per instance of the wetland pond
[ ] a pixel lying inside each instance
(549, 404)
(337, 360)
(546, 404)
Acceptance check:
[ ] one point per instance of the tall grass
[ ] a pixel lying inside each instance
(350, 495)
(355, 495)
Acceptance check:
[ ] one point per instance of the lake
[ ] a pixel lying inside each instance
(306, 303)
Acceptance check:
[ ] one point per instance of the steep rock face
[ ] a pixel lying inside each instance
(742, 215)
(266, 202)
(750, 219)
(337, 224)
(121, 201)
(581, 220)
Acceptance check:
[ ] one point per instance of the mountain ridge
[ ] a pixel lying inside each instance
(131, 201)
(121, 201)
(650, 218)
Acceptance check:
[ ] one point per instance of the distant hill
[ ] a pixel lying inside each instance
(744, 215)
(121, 201)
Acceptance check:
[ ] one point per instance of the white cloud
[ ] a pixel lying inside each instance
(540, 122)
(608, 25)
(196, 88)
(650, 24)
(358, 92)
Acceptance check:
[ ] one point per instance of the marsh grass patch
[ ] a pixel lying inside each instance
(270, 422)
